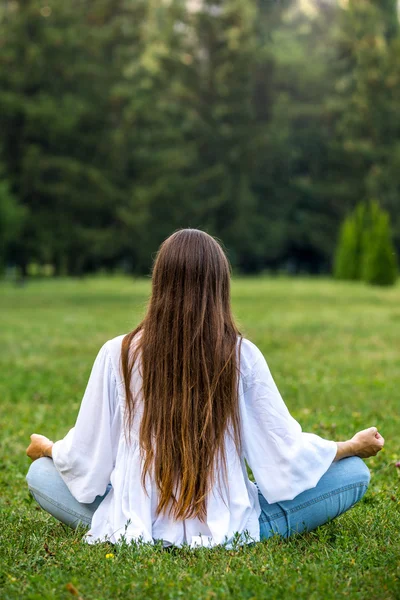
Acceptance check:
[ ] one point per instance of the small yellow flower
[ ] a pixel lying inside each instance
(110, 555)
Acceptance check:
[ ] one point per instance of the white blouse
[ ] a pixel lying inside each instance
(284, 460)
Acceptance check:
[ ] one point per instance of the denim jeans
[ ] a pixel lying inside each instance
(343, 485)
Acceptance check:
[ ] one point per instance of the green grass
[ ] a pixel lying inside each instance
(334, 352)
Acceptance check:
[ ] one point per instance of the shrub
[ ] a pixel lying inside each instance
(365, 249)
(380, 261)
(350, 250)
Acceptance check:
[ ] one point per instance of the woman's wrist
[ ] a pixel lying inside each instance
(345, 449)
(48, 450)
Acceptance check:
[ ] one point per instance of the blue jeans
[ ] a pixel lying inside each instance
(343, 485)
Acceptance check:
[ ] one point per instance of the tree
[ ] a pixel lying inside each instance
(365, 250)
(344, 263)
(56, 116)
(263, 123)
(366, 103)
(192, 148)
(11, 220)
(298, 177)
(349, 256)
(380, 261)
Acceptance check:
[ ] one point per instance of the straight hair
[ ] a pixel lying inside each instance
(187, 348)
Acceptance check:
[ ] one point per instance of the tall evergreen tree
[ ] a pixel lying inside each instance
(12, 216)
(56, 115)
(367, 103)
(194, 128)
(225, 50)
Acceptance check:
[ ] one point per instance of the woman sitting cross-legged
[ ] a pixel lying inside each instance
(172, 412)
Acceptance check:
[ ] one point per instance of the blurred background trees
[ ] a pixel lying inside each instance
(263, 122)
(365, 249)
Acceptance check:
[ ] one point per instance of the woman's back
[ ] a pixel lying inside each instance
(99, 452)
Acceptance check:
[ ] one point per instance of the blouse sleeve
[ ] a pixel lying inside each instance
(86, 456)
(285, 461)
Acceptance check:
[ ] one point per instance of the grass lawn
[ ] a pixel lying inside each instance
(334, 352)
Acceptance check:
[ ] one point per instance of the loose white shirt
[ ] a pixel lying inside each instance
(284, 460)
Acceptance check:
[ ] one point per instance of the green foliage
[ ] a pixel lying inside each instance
(345, 257)
(11, 219)
(55, 117)
(349, 257)
(380, 262)
(366, 103)
(262, 123)
(50, 332)
(365, 249)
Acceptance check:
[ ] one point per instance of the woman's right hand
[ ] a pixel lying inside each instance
(367, 442)
(40, 446)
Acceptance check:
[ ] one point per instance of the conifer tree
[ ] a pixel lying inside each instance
(57, 115)
(346, 251)
(367, 102)
(380, 261)
(349, 257)
(365, 249)
(11, 220)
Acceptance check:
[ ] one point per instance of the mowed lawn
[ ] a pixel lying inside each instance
(334, 351)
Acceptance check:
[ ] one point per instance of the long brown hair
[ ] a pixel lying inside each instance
(187, 348)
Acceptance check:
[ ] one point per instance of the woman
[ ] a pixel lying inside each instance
(170, 415)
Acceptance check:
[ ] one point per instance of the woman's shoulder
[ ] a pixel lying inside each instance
(113, 348)
(114, 345)
(250, 354)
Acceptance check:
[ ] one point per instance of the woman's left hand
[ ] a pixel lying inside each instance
(40, 446)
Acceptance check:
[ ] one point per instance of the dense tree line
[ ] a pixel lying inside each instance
(258, 121)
